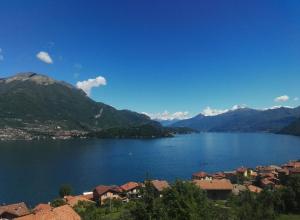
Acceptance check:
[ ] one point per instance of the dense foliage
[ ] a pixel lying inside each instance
(143, 131)
(65, 190)
(185, 201)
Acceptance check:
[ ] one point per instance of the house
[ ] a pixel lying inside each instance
(73, 200)
(102, 193)
(242, 171)
(64, 212)
(216, 189)
(267, 169)
(231, 175)
(293, 171)
(292, 164)
(13, 211)
(201, 176)
(254, 189)
(219, 176)
(265, 182)
(88, 195)
(160, 185)
(245, 172)
(131, 189)
(42, 207)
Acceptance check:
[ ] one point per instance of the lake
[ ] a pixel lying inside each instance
(34, 171)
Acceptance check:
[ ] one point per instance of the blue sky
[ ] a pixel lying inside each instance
(160, 55)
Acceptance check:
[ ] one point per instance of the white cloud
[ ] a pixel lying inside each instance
(208, 111)
(168, 116)
(45, 57)
(296, 99)
(282, 98)
(87, 85)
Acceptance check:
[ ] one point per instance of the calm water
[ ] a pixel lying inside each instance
(33, 171)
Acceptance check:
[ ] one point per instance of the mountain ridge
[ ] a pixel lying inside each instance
(31, 101)
(243, 120)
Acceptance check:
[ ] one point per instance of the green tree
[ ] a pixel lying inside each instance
(57, 202)
(184, 201)
(294, 184)
(65, 190)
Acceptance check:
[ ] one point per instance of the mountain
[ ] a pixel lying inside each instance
(37, 103)
(167, 123)
(292, 129)
(243, 120)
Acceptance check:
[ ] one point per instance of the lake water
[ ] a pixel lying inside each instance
(34, 171)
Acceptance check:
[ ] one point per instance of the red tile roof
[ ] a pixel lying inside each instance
(254, 189)
(73, 200)
(200, 175)
(64, 212)
(129, 186)
(160, 185)
(293, 164)
(18, 209)
(266, 182)
(294, 170)
(241, 170)
(42, 207)
(223, 184)
(219, 175)
(104, 189)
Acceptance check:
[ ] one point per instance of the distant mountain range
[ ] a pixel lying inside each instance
(32, 103)
(293, 128)
(244, 120)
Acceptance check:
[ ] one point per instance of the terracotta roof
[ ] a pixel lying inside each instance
(200, 174)
(293, 164)
(254, 189)
(266, 182)
(294, 170)
(42, 207)
(103, 189)
(284, 171)
(88, 195)
(18, 209)
(160, 185)
(64, 212)
(241, 170)
(129, 186)
(219, 175)
(223, 184)
(73, 200)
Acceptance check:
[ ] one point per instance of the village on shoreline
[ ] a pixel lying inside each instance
(218, 186)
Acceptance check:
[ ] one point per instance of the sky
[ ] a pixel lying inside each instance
(169, 59)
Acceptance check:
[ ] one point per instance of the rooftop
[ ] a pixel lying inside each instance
(223, 184)
(64, 212)
(160, 185)
(129, 186)
(18, 209)
(103, 189)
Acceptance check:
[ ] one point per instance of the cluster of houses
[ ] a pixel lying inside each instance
(219, 186)
(100, 194)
